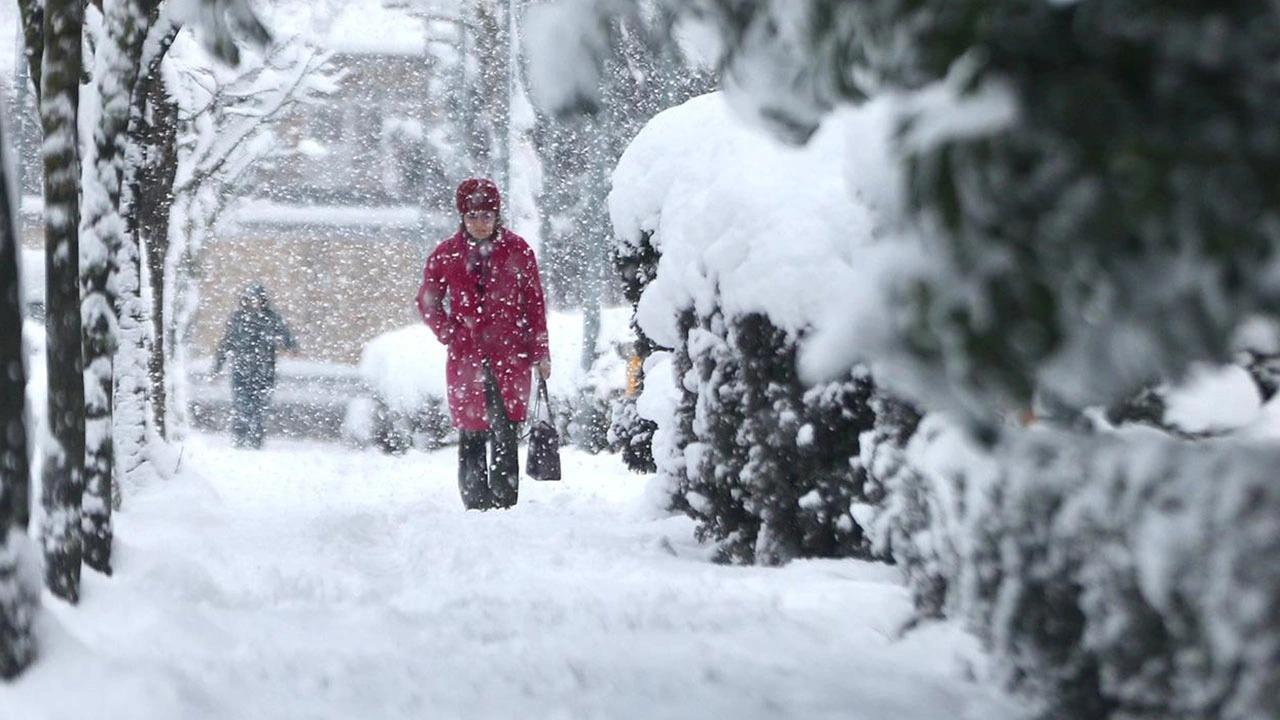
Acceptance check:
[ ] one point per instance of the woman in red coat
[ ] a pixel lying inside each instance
(482, 297)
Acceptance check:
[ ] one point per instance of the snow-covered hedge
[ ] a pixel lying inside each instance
(752, 247)
(1114, 579)
(1123, 572)
(1113, 572)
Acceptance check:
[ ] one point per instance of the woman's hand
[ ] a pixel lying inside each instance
(544, 368)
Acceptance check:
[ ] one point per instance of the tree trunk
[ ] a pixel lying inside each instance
(31, 13)
(19, 598)
(132, 464)
(132, 373)
(157, 133)
(62, 478)
(488, 96)
(115, 71)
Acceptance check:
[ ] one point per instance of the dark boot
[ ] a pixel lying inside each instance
(241, 412)
(473, 481)
(257, 429)
(504, 439)
(257, 420)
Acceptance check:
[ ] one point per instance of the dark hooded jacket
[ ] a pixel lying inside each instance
(255, 334)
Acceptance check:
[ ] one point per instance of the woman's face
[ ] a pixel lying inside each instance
(480, 223)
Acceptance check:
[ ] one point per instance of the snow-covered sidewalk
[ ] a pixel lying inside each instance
(306, 581)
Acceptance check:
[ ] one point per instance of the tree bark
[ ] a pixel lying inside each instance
(132, 374)
(19, 600)
(157, 135)
(115, 72)
(487, 96)
(62, 477)
(131, 378)
(31, 13)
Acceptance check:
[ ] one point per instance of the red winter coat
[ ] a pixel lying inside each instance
(505, 324)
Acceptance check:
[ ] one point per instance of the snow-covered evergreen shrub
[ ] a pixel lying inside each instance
(672, 438)
(767, 469)
(636, 263)
(1018, 581)
(632, 435)
(582, 419)
(592, 411)
(835, 414)
(404, 370)
(980, 535)
(801, 445)
(394, 430)
(898, 514)
(583, 398)
(1083, 199)
(1181, 590)
(713, 459)
(736, 248)
(1125, 575)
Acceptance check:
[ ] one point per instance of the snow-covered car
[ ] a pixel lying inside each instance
(406, 407)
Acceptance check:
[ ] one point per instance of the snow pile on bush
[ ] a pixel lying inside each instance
(741, 222)
(405, 371)
(405, 367)
(1114, 573)
(1213, 400)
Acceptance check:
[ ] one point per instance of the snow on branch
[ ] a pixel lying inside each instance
(229, 112)
(222, 26)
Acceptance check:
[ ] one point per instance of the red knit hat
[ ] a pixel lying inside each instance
(477, 194)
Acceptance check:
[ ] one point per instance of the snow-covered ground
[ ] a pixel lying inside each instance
(307, 581)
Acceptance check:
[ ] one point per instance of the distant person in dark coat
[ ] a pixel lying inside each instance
(255, 333)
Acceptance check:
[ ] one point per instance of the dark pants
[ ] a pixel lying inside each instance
(495, 484)
(248, 411)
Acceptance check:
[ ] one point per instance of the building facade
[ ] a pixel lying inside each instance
(338, 230)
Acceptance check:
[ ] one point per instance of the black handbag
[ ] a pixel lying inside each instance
(543, 461)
